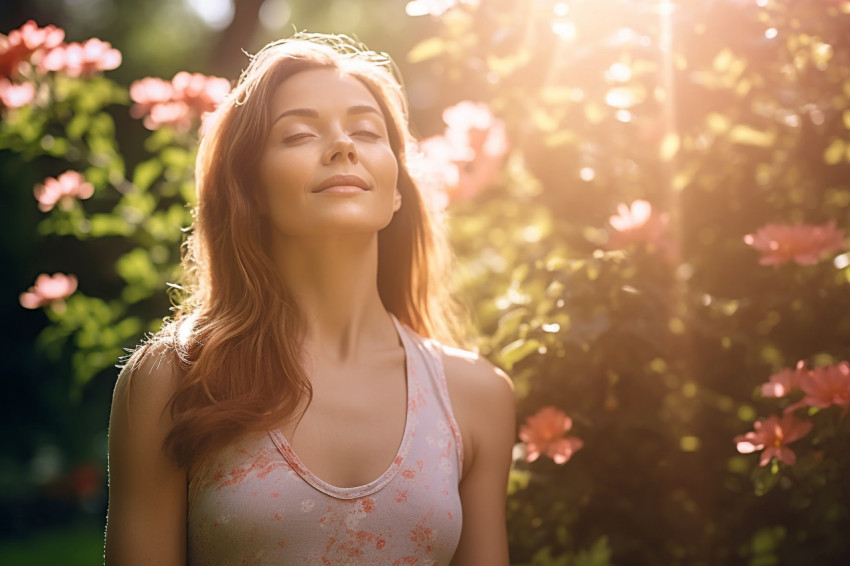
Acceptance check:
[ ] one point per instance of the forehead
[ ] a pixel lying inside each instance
(320, 89)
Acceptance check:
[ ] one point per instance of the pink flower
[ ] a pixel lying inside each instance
(22, 43)
(467, 157)
(772, 435)
(34, 38)
(81, 60)
(48, 290)
(481, 142)
(825, 386)
(435, 171)
(178, 103)
(639, 224)
(15, 95)
(64, 188)
(784, 382)
(543, 433)
(803, 243)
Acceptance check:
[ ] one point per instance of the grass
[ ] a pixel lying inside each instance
(69, 546)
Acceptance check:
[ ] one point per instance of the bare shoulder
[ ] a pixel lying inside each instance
(473, 375)
(140, 419)
(149, 378)
(483, 403)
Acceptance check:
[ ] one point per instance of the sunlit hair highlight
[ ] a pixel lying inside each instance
(237, 332)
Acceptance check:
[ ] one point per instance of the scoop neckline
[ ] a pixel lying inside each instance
(354, 492)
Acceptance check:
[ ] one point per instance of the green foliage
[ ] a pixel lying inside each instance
(148, 212)
(657, 353)
(597, 555)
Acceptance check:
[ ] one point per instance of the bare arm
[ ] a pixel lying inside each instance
(146, 521)
(483, 398)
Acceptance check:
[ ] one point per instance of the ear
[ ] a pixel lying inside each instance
(396, 200)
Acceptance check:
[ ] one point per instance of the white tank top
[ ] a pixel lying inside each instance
(254, 502)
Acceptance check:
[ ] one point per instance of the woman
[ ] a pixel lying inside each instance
(304, 363)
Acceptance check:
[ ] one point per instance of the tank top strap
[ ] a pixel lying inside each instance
(431, 352)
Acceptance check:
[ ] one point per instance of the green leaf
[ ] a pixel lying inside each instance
(110, 225)
(543, 557)
(597, 555)
(146, 173)
(426, 49)
(77, 126)
(518, 480)
(508, 324)
(517, 351)
(137, 269)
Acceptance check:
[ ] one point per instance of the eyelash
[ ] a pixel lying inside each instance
(298, 136)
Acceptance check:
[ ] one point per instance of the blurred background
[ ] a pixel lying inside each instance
(647, 199)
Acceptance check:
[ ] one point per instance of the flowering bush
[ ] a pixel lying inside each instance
(659, 363)
(57, 103)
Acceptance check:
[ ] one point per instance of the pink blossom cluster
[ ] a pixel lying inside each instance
(48, 290)
(821, 387)
(17, 50)
(467, 157)
(21, 44)
(804, 244)
(62, 189)
(179, 102)
(43, 48)
(638, 223)
(81, 59)
(543, 433)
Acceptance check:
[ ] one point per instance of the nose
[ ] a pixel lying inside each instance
(341, 148)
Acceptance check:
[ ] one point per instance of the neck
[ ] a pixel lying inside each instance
(333, 280)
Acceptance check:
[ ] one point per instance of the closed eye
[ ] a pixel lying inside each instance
(368, 134)
(297, 137)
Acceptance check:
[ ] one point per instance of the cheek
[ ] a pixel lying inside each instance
(388, 168)
(279, 174)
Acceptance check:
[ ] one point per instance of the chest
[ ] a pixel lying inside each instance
(353, 428)
(251, 502)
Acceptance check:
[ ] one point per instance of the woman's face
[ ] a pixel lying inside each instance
(327, 167)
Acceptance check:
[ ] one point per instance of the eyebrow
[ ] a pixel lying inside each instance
(313, 113)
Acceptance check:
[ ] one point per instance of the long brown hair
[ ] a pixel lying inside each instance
(237, 332)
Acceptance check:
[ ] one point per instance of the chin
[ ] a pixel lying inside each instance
(338, 225)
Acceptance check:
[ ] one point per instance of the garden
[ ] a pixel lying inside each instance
(648, 202)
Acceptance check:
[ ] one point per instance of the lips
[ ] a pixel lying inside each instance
(341, 181)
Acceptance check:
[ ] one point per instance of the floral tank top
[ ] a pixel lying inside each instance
(254, 502)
